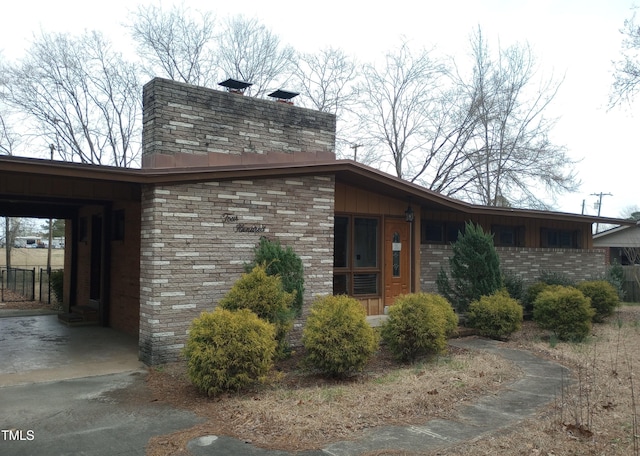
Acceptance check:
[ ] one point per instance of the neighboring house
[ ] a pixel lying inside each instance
(150, 249)
(622, 246)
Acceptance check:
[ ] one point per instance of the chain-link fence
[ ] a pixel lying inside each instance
(17, 284)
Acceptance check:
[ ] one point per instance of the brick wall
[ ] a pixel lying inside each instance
(186, 125)
(527, 263)
(197, 237)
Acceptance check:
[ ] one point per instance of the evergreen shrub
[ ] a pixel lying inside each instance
(264, 295)
(229, 350)
(283, 262)
(496, 316)
(56, 282)
(474, 266)
(556, 278)
(615, 276)
(419, 324)
(604, 298)
(337, 337)
(565, 311)
(514, 285)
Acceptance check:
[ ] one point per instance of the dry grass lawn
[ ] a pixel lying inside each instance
(32, 258)
(297, 411)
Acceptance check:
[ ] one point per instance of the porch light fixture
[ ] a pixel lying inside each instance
(409, 215)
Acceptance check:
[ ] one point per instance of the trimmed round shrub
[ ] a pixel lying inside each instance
(603, 295)
(532, 294)
(229, 350)
(337, 337)
(263, 294)
(565, 311)
(419, 324)
(283, 262)
(496, 316)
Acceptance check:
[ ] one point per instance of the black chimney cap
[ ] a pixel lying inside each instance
(283, 94)
(234, 84)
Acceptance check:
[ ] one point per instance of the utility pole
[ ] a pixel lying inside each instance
(600, 195)
(51, 149)
(355, 151)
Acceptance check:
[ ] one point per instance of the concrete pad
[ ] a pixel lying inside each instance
(38, 348)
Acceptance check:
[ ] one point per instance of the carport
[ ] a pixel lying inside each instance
(101, 206)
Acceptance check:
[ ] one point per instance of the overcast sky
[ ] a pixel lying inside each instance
(577, 39)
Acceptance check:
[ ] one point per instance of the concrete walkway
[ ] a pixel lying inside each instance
(541, 383)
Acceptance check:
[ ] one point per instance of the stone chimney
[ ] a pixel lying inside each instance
(191, 126)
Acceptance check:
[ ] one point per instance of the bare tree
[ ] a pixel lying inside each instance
(249, 52)
(627, 70)
(510, 156)
(11, 225)
(178, 44)
(7, 137)
(81, 96)
(326, 81)
(397, 100)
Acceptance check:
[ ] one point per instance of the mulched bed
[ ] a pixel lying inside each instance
(15, 301)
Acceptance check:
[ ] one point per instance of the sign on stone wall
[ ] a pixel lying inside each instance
(242, 227)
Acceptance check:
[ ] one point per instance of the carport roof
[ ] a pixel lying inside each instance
(346, 171)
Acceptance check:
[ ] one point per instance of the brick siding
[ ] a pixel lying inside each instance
(191, 254)
(526, 263)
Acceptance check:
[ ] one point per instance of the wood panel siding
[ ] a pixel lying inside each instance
(373, 306)
(355, 200)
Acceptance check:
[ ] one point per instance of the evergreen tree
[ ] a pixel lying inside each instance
(475, 268)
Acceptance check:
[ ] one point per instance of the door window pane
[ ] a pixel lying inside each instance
(395, 247)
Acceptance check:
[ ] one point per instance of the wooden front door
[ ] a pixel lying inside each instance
(397, 254)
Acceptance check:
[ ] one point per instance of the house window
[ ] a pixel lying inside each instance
(440, 232)
(508, 236)
(118, 225)
(559, 239)
(356, 254)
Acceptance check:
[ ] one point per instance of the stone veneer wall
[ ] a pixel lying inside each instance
(527, 263)
(186, 125)
(191, 255)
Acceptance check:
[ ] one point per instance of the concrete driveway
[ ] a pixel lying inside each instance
(76, 391)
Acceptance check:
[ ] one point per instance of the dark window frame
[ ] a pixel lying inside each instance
(557, 238)
(508, 235)
(350, 270)
(448, 231)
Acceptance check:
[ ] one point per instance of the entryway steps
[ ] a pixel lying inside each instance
(80, 315)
